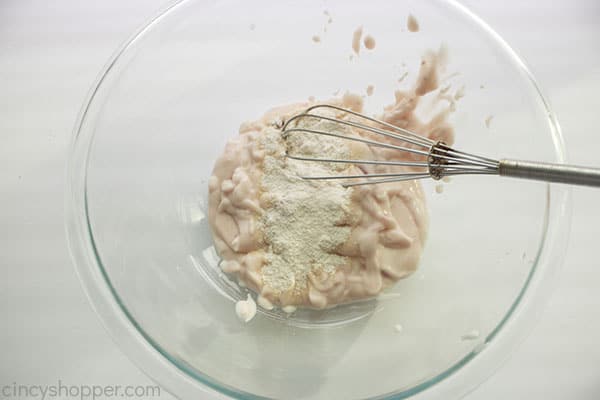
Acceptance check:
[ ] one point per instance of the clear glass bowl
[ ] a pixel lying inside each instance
(160, 114)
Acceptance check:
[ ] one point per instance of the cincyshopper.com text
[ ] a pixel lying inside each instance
(61, 390)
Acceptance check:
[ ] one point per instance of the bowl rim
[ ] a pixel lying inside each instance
(184, 381)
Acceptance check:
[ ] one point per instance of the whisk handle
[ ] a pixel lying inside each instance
(550, 172)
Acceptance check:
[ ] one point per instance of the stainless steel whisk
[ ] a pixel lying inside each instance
(439, 160)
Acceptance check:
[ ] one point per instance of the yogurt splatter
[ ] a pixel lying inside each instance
(412, 24)
(369, 42)
(245, 309)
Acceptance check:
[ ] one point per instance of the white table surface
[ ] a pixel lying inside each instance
(50, 52)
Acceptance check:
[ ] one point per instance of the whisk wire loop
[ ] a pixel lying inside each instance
(438, 159)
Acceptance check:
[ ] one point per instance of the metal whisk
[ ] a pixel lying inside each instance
(438, 159)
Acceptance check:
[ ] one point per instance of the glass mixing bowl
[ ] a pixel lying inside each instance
(160, 114)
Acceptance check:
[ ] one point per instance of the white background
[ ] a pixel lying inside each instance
(50, 52)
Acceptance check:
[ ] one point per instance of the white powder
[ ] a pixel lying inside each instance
(303, 223)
